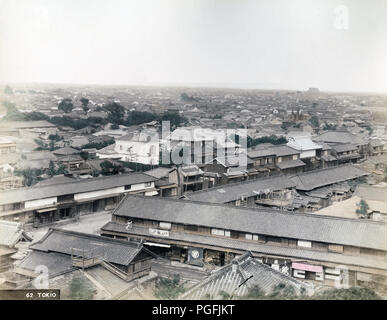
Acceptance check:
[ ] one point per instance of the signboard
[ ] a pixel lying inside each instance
(195, 256)
(306, 267)
(160, 233)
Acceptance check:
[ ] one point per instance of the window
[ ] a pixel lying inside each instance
(165, 225)
(148, 184)
(305, 244)
(191, 228)
(217, 232)
(255, 237)
(227, 234)
(279, 159)
(128, 187)
(249, 236)
(335, 248)
(295, 157)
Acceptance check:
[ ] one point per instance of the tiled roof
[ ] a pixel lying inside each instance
(246, 268)
(234, 191)
(63, 241)
(319, 178)
(77, 186)
(290, 164)
(10, 233)
(366, 234)
(199, 240)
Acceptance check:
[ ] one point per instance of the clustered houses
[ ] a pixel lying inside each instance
(304, 192)
(273, 191)
(315, 248)
(46, 204)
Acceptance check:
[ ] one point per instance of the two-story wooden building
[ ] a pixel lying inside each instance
(47, 204)
(316, 248)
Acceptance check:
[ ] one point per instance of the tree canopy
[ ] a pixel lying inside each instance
(66, 105)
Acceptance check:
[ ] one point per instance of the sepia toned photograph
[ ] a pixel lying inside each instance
(192, 155)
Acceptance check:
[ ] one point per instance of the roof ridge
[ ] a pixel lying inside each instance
(308, 215)
(89, 235)
(240, 183)
(83, 181)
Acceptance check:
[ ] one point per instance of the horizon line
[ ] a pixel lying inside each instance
(230, 86)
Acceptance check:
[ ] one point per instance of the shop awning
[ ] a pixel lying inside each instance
(157, 244)
(306, 267)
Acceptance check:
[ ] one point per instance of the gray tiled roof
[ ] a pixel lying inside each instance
(291, 164)
(344, 147)
(229, 281)
(279, 151)
(159, 172)
(199, 240)
(77, 186)
(63, 241)
(232, 192)
(319, 178)
(56, 263)
(339, 137)
(368, 234)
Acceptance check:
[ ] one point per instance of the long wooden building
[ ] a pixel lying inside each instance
(314, 248)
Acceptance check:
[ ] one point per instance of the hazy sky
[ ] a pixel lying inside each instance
(277, 44)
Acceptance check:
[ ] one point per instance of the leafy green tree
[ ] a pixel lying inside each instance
(30, 176)
(81, 289)
(168, 288)
(85, 104)
(174, 118)
(109, 168)
(51, 169)
(314, 121)
(66, 105)
(140, 117)
(85, 155)
(84, 101)
(116, 113)
(54, 137)
(362, 208)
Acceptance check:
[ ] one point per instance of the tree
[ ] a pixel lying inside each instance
(81, 289)
(84, 101)
(66, 105)
(51, 169)
(139, 117)
(169, 288)
(85, 155)
(85, 104)
(109, 168)
(362, 209)
(30, 176)
(116, 113)
(8, 90)
(174, 118)
(315, 122)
